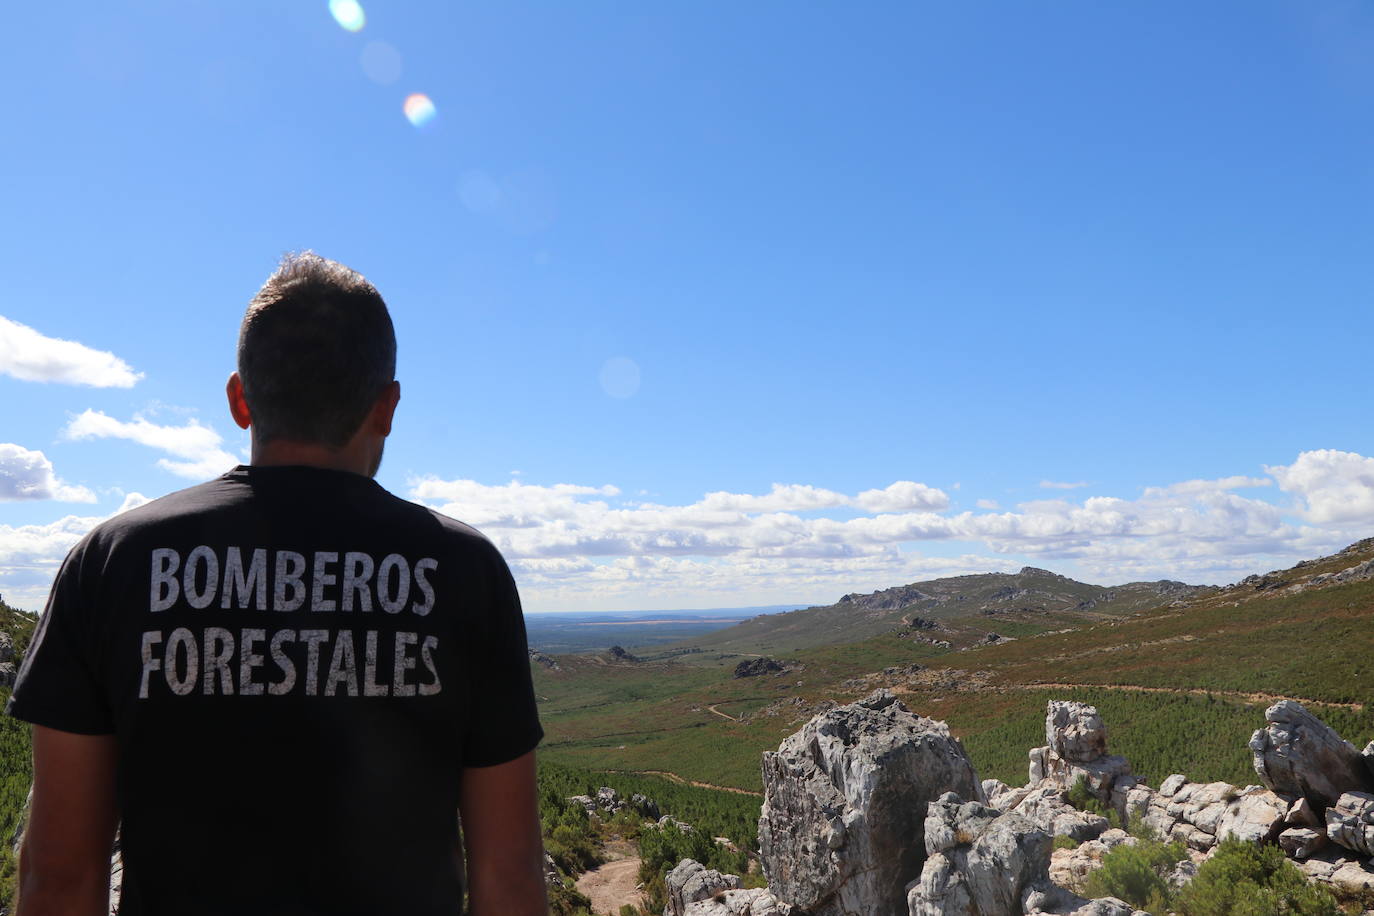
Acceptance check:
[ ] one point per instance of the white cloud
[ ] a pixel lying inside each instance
(30, 555)
(567, 537)
(33, 357)
(26, 474)
(902, 496)
(197, 446)
(1330, 486)
(1057, 485)
(987, 504)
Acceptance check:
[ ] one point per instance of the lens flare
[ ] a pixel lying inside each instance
(419, 109)
(348, 13)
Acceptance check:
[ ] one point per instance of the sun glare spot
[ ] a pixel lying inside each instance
(419, 109)
(619, 377)
(381, 62)
(348, 13)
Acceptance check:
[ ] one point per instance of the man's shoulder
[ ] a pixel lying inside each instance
(170, 509)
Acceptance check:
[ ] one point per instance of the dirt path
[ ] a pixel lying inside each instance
(673, 777)
(612, 885)
(1195, 691)
(723, 715)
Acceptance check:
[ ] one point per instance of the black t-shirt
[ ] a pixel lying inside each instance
(297, 666)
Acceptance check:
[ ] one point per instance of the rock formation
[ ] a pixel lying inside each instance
(753, 667)
(1298, 754)
(1076, 748)
(982, 862)
(845, 799)
(691, 881)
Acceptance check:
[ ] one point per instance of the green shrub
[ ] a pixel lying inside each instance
(1082, 798)
(1137, 873)
(1242, 879)
(1065, 842)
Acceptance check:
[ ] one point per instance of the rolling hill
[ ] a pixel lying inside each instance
(1032, 596)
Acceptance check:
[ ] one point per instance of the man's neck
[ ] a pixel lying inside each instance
(312, 454)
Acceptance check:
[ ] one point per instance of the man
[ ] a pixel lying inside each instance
(285, 683)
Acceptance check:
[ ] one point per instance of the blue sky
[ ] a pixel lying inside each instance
(947, 254)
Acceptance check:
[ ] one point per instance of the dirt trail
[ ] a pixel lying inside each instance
(673, 777)
(612, 885)
(1195, 691)
(723, 715)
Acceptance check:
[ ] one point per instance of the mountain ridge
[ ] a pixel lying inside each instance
(1032, 593)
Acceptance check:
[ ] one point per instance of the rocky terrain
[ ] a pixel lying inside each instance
(871, 809)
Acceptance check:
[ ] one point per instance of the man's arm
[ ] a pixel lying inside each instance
(64, 865)
(505, 854)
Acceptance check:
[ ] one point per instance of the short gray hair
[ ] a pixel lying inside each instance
(316, 349)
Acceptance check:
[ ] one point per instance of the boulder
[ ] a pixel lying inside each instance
(753, 667)
(1172, 784)
(1343, 875)
(1048, 810)
(1256, 816)
(690, 881)
(1076, 749)
(755, 902)
(1075, 731)
(987, 863)
(1350, 822)
(1298, 754)
(981, 862)
(1302, 842)
(845, 799)
(645, 806)
(1300, 814)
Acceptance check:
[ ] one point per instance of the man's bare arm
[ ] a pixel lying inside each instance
(64, 865)
(505, 853)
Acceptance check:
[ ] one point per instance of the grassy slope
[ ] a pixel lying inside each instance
(1317, 645)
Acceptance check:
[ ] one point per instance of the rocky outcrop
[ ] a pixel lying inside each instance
(691, 881)
(982, 862)
(619, 654)
(608, 801)
(845, 801)
(548, 661)
(753, 667)
(755, 902)
(8, 670)
(1048, 808)
(1350, 822)
(1076, 748)
(1297, 754)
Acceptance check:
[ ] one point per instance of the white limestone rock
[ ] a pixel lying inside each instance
(1297, 754)
(1074, 731)
(754, 902)
(1256, 816)
(981, 862)
(845, 801)
(1350, 822)
(690, 881)
(1302, 842)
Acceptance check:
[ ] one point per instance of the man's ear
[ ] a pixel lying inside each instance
(385, 409)
(238, 405)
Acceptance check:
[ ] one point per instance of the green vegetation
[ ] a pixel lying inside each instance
(1082, 798)
(16, 757)
(574, 840)
(1240, 879)
(1137, 874)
